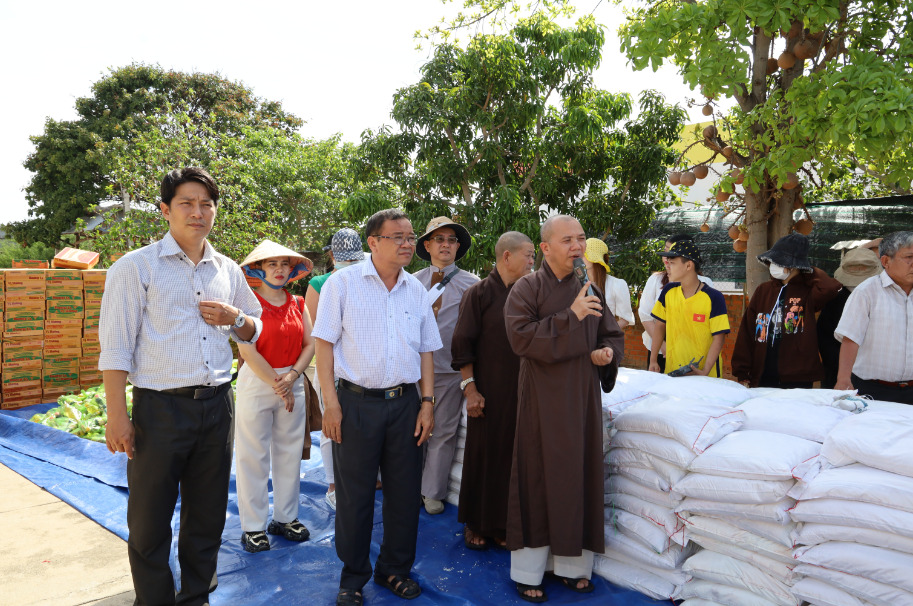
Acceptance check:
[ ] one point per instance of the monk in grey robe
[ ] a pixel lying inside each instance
(569, 349)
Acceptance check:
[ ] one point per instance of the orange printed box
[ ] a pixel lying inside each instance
(28, 314)
(64, 274)
(61, 361)
(87, 365)
(19, 354)
(74, 258)
(90, 338)
(30, 264)
(62, 352)
(71, 323)
(19, 376)
(91, 350)
(22, 363)
(58, 341)
(94, 278)
(93, 314)
(93, 297)
(69, 296)
(64, 376)
(52, 393)
(63, 333)
(91, 323)
(24, 278)
(63, 285)
(65, 307)
(30, 303)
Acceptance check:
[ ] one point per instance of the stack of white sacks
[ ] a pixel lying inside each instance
(456, 470)
(855, 534)
(736, 502)
(660, 425)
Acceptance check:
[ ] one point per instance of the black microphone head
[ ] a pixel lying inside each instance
(580, 270)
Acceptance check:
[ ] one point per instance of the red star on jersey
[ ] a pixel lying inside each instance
(700, 318)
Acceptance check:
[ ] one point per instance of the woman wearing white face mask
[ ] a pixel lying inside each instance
(777, 344)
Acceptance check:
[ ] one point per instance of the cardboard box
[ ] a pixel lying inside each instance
(90, 350)
(75, 259)
(91, 324)
(95, 375)
(21, 377)
(63, 333)
(51, 393)
(72, 296)
(62, 352)
(71, 323)
(57, 285)
(30, 264)
(92, 314)
(72, 361)
(58, 341)
(20, 354)
(94, 278)
(88, 365)
(93, 294)
(63, 308)
(24, 278)
(60, 376)
(24, 314)
(64, 274)
(26, 292)
(30, 303)
(23, 363)
(13, 330)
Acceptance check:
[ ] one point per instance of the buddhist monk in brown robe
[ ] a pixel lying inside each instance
(568, 349)
(489, 367)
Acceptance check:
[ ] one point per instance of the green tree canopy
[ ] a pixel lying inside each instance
(510, 127)
(823, 92)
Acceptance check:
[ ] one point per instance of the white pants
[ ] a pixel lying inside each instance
(326, 444)
(529, 565)
(266, 432)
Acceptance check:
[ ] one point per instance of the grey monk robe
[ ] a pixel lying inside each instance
(556, 482)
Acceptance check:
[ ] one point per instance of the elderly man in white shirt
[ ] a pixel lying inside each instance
(166, 315)
(876, 329)
(375, 334)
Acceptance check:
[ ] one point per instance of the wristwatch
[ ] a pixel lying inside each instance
(429, 399)
(239, 321)
(465, 383)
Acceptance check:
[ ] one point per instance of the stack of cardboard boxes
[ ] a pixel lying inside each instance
(50, 333)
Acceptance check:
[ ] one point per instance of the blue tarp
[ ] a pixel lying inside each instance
(85, 475)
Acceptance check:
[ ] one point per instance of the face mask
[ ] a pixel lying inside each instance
(777, 272)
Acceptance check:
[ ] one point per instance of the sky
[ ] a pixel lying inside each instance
(334, 64)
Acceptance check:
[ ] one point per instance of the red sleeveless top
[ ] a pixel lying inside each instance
(282, 338)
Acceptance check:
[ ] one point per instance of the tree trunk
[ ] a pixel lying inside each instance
(756, 219)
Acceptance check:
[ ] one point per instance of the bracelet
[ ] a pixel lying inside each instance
(296, 370)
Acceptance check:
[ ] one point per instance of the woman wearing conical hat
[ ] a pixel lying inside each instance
(271, 422)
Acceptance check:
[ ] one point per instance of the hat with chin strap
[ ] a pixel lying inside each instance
(301, 266)
(435, 224)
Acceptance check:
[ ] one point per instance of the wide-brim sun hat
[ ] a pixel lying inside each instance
(435, 224)
(346, 246)
(790, 251)
(595, 252)
(857, 266)
(301, 266)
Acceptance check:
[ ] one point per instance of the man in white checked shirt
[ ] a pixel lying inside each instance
(167, 311)
(375, 334)
(876, 328)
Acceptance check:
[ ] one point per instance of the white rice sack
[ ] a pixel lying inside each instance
(815, 534)
(880, 438)
(755, 455)
(458, 454)
(634, 458)
(851, 513)
(639, 380)
(624, 548)
(816, 397)
(623, 485)
(874, 563)
(776, 570)
(453, 498)
(781, 534)
(719, 568)
(703, 388)
(721, 594)
(456, 472)
(632, 576)
(699, 602)
(619, 399)
(818, 593)
(765, 512)
(874, 592)
(659, 515)
(731, 490)
(694, 423)
(790, 416)
(858, 482)
(645, 477)
(637, 528)
(723, 531)
(666, 449)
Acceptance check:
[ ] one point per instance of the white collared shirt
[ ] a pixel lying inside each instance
(377, 335)
(151, 325)
(879, 317)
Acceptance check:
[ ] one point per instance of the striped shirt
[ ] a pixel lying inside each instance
(377, 335)
(878, 316)
(151, 325)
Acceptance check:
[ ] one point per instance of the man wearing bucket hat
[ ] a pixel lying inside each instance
(166, 316)
(443, 244)
(271, 419)
(777, 345)
(876, 330)
(345, 249)
(858, 265)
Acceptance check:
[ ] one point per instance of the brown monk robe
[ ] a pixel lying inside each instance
(556, 483)
(482, 352)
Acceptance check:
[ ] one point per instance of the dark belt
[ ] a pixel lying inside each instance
(386, 394)
(895, 384)
(197, 392)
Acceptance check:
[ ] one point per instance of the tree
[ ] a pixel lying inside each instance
(823, 92)
(509, 128)
(71, 170)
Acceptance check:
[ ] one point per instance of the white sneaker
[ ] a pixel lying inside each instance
(330, 499)
(433, 506)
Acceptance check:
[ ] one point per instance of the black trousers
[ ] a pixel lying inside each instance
(886, 393)
(182, 445)
(377, 433)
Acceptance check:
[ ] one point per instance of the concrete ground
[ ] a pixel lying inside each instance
(54, 555)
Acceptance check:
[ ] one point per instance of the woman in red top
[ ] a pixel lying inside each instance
(271, 406)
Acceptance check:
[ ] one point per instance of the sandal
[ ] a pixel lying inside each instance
(522, 589)
(349, 597)
(572, 584)
(399, 585)
(469, 535)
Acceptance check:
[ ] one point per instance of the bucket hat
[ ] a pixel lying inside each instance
(858, 265)
(301, 266)
(789, 251)
(685, 249)
(435, 224)
(595, 252)
(346, 246)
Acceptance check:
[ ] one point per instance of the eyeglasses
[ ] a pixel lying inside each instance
(399, 240)
(447, 239)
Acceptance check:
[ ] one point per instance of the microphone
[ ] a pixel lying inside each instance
(580, 272)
